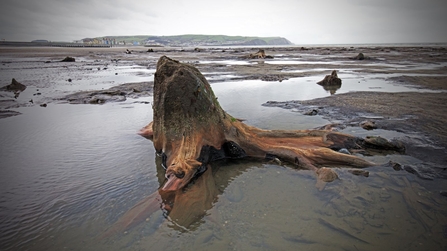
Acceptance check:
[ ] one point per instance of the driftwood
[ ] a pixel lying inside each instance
(190, 130)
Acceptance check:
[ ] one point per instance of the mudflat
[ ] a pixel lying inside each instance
(101, 75)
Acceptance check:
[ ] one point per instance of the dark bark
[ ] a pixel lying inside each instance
(190, 129)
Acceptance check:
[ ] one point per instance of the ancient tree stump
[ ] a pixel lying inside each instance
(190, 130)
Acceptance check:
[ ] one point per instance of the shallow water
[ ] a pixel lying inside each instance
(69, 172)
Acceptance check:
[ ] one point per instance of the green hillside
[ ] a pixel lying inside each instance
(194, 40)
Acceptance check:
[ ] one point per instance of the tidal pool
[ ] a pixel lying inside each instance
(69, 172)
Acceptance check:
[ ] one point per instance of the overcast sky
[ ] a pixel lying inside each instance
(300, 21)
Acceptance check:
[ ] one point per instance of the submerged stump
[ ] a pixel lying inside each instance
(190, 130)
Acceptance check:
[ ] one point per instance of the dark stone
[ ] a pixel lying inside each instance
(43, 105)
(368, 125)
(331, 80)
(396, 166)
(344, 151)
(360, 56)
(69, 80)
(68, 59)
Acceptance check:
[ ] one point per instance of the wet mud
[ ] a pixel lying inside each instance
(397, 205)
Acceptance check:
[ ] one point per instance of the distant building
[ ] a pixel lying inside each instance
(40, 41)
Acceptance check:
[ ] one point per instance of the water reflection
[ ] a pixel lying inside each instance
(184, 209)
(332, 89)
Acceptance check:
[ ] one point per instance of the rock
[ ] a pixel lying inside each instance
(443, 193)
(128, 52)
(14, 86)
(69, 80)
(331, 80)
(382, 143)
(150, 50)
(368, 125)
(312, 112)
(359, 172)
(326, 174)
(396, 166)
(360, 56)
(344, 151)
(68, 59)
(43, 105)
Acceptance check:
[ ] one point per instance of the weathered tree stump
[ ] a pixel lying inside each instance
(190, 130)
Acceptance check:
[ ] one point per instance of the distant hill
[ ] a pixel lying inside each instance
(190, 40)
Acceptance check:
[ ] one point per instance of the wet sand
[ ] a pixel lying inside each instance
(421, 67)
(67, 181)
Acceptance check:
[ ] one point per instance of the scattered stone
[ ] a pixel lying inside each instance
(443, 193)
(368, 125)
(43, 105)
(344, 151)
(150, 50)
(331, 80)
(14, 86)
(37, 94)
(128, 52)
(69, 80)
(47, 62)
(358, 172)
(396, 166)
(312, 112)
(31, 101)
(68, 59)
(197, 50)
(116, 73)
(360, 56)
